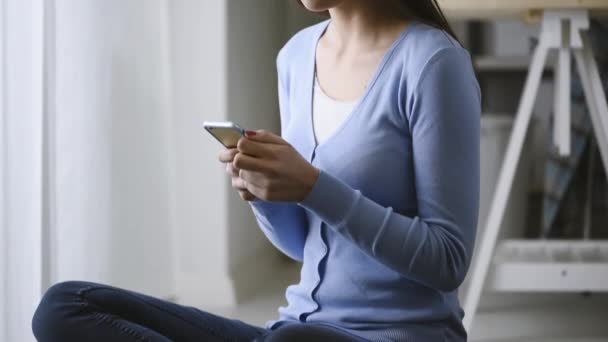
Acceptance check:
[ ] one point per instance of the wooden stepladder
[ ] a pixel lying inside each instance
(565, 33)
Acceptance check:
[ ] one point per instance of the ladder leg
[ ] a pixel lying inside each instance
(561, 98)
(505, 181)
(594, 95)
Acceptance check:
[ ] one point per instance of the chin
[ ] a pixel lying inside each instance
(320, 5)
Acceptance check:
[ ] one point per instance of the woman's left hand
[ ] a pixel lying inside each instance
(272, 169)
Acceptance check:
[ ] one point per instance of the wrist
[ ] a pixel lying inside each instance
(331, 199)
(311, 179)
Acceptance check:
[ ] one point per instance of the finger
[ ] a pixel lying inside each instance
(255, 148)
(244, 162)
(239, 183)
(265, 137)
(231, 170)
(258, 192)
(241, 186)
(254, 178)
(246, 195)
(227, 155)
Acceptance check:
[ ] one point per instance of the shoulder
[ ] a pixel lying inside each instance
(430, 62)
(299, 47)
(425, 47)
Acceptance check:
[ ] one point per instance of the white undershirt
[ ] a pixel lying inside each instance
(327, 113)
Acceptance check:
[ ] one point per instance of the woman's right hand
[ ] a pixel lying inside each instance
(226, 156)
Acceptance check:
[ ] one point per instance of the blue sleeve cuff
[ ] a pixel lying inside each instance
(331, 199)
(266, 207)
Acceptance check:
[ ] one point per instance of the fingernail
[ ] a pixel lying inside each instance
(250, 133)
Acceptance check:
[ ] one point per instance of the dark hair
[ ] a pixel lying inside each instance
(427, 11)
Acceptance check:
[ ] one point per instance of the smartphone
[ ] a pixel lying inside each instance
(226, 132)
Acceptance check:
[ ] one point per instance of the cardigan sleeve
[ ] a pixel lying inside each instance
(435, 246)
(284, 224)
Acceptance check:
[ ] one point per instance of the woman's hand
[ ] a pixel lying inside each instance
(227, 156)
(271, 169)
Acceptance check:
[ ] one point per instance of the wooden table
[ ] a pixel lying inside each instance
(493, 9)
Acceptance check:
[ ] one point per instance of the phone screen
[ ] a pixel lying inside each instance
(228, 136)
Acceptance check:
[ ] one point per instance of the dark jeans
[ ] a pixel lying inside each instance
(81, 311)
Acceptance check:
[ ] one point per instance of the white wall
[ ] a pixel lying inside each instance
(21, 95)
(223, 68)
(255, 34)
(111, 145)
(198, 68)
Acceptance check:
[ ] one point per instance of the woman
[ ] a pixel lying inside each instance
(374, 186)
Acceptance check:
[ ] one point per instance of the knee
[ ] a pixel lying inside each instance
(57, 304)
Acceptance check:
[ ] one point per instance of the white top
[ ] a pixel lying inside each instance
(327, 113)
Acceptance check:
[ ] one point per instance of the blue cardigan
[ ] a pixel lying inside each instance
(387, 232)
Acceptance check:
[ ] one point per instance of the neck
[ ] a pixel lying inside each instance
(364, 21)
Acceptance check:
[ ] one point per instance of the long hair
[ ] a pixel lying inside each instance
(427, 11)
